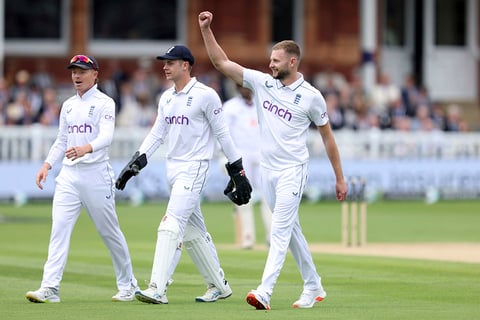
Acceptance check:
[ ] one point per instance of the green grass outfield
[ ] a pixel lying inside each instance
(358, 287)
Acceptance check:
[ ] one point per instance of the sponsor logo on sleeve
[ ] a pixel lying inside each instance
(217, 111)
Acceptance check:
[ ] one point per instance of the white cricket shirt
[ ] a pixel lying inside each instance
(193, 119)
(284, 115)
(87, 119)
(242, 121)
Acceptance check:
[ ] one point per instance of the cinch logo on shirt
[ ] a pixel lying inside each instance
(183, 120)
(280, 112)
(80, 128)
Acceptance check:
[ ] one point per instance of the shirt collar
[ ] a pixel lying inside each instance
(89, 92)
(189, 86)
(293, 86)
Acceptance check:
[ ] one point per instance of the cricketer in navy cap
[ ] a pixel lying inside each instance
(178, 52)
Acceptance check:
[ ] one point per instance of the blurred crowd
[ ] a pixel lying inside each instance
(407, 107)
(34, 97)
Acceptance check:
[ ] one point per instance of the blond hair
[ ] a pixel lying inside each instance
(289, 46)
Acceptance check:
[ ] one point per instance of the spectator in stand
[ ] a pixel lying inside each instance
(21, 84)
(50, 110)
(397, 109)
(438, 116)
(345, 102)
(423, 97)
(454, 120)
(401, 123)
(25, 100)
(422, 120)
(147, 111)
(126, 96)
(111, 84)
(410, 95)
(383, 95)
(35, 98)
(41, 77)
(358, 106)
(329, 87)
(140, 112)
(356, 87)
(329, 80)
(19, 111)
(215, 81)
(364, 120)
(336, 114)
(145, 79)
(4, 98)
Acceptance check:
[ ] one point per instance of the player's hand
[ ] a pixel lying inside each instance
(42, 175)
(76, 152)
(205, 19)
(341, 190)
(238, 189)
(137, 163)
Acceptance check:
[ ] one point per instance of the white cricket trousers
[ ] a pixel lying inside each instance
(90, 186)
(283, 191)
(186, 180)
(251, 165)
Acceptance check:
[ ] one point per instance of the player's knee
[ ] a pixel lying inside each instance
(191, 234)
(169, 225)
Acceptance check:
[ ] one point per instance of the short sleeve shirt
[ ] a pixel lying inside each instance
(285, 114)
(243, 125)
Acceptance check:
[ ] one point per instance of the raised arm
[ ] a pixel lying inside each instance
(216, 54)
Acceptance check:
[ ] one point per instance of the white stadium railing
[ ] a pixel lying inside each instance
(31, 143)
(390, 144)
(395, 164)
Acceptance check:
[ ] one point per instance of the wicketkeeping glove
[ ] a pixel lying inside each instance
(138, 162)
(238, 188)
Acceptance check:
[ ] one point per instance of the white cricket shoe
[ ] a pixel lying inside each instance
(261, 301)
(126, 295)
(213, 293)
(308, 298)
(150, 295)
(43, 295)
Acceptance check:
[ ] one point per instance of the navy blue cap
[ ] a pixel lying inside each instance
(178, 53)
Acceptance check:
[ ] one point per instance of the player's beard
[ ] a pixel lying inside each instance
(282, 74)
